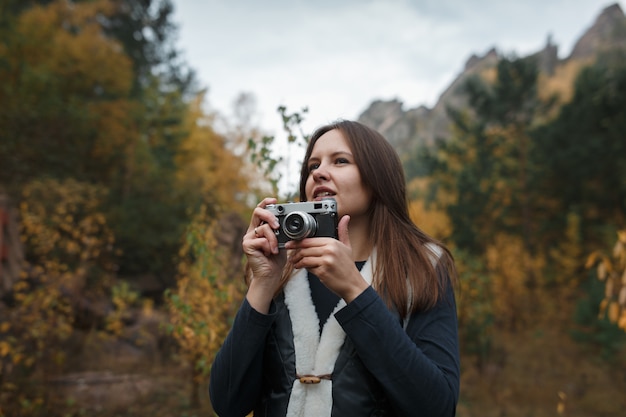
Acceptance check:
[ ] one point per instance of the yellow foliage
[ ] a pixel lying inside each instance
(61, 50)
(5, 348)
(207, 165)
(62, 224)
(592, 259)
(613, 273)
(602, 310)
(567, 258)
(114, 126)
(418, 188)
(123, 299)
(614, 312)
(434, 222)
(514, 275)
(204, 299)
(621, 323)
(65, 236)
(67, 39)
(561, 83)
(490, 75)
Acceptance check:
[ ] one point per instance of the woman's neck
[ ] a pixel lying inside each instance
(360, 239)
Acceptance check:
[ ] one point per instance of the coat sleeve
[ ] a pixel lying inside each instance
(236, 374)
(419, 368)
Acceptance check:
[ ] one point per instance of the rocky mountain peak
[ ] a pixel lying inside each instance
(608, 28)
(475, 60)
(407, 128)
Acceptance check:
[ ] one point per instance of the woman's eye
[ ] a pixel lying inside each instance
(313, 166)
(342, 161)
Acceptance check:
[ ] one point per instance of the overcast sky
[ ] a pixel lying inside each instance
(337, 56)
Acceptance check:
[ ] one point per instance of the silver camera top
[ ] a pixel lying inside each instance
(311, 207)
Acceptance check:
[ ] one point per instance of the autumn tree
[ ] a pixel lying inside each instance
(70, 261)
(204, 300)
(476, 314)
(207, 167)
(600, 316)
(58, 74)
(116, 157)
(582, 155)
(95, 90)
(484, 178)
(147, 209)
(493, 171)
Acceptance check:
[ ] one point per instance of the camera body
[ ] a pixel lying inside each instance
(306, 219)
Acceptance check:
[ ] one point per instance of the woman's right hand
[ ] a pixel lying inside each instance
(266, 262)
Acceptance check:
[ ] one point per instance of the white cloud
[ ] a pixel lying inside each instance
(337, 56)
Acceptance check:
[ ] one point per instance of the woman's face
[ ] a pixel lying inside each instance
(334, 173)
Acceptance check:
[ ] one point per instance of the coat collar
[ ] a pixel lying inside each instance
(315, 354)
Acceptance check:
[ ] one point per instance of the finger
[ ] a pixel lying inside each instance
(253, 246)
(266, 235)
(262, 216)
(266, 201)
(306, 250)
(300, 261)
(342, 230)
(261, 231)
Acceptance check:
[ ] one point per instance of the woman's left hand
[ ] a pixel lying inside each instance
(331, 261)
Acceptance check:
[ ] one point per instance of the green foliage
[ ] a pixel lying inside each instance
(204, 300)
(612, 272)
(262, 153)
(76, 106)
(54, 62)
(107, 150)
(122, 298)
(475, 309)
(596, 331)
(521, 214)
(104, 149)
(148, 34)
(63, 221)
(148, 223)
(70, 258)
(582, 153)
(486, 165)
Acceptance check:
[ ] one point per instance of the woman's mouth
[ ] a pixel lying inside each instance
(323, 194)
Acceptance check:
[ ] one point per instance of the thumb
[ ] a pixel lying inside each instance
(342, 230)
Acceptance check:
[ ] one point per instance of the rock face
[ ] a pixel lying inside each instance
(406, 129)
(609, 30)
(393, 122)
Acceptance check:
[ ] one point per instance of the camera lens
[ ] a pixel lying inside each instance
(298, 225)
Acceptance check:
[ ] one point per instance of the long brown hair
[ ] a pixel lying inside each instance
(404, 274)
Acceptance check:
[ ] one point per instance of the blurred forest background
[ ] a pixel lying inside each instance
(122, 207)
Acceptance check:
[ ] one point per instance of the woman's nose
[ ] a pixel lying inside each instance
(320, 174)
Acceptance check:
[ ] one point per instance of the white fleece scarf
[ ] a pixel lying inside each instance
(315, 354)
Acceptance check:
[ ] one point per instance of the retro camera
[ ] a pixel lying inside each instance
(307, 219)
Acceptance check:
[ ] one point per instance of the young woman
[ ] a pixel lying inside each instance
(362, 325)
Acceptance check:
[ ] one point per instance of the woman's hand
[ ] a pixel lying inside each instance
(266, 262)
(331, 261)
